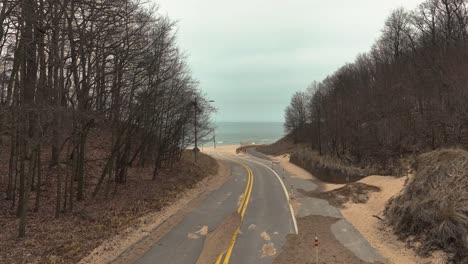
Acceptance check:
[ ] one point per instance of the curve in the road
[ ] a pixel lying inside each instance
(284, 188)
(224, 258)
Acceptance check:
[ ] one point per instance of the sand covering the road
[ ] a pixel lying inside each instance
(299, 249)
(219, 240)
(356, 192)
(154, 226)
(381, 237)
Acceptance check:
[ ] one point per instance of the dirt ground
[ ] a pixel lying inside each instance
(300, 248)
(95, 220)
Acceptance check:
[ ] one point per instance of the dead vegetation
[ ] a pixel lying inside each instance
(329, 169)
(93, 220)
(69, 67)
(433, 207)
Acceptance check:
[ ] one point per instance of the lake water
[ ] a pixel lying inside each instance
(233, 133)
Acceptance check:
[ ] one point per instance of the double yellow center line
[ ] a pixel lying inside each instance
(226, 256)
(247, 193)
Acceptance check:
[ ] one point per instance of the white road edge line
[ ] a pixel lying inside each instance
(284, 188)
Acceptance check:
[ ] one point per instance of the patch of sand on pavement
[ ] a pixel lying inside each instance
(296, 205)
(239, 199)
(219, 240)
(380, 236)
(127, 246)
(268, 250)
(193, 236)
(298, 172)
(202, 232)
(265, 236)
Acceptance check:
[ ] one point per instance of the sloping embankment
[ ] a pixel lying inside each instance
(325, 168)
(95, 220)
(433, 207)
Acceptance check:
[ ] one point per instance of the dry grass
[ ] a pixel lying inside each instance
(433, 208)
(329, 164)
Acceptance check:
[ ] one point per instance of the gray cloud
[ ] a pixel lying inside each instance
(251, 55)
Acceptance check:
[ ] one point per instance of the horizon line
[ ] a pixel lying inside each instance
(238, 121)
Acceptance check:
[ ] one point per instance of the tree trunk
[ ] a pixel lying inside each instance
(27, 121)
(39, 179)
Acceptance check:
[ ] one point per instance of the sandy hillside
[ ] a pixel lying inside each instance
(365, 218)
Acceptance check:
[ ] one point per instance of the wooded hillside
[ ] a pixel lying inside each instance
(408, 94)
(68, 66)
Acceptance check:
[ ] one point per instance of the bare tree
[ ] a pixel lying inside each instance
(406, 95)
(68, 67)
(296, 114)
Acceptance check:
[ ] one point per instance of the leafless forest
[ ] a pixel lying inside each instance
(407, 95)
(68, 66)
(399, 106)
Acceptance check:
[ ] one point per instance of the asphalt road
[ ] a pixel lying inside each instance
(267, 220)
(342, 230)
(259, 194)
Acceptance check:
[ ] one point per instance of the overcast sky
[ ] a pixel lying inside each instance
(250, 56)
